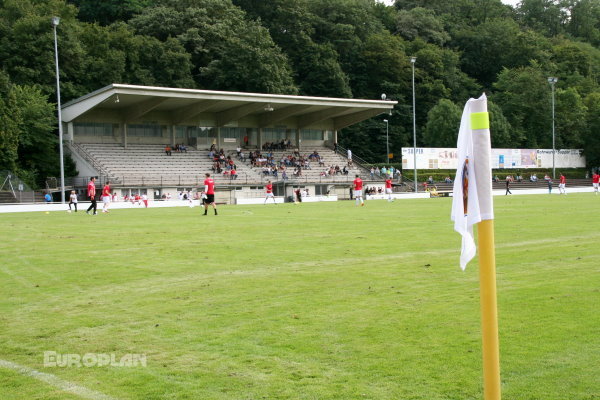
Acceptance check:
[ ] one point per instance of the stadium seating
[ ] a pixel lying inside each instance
(149, 165)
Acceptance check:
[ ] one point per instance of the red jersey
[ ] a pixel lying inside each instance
(563, 179)
(106, 190)
(596, 178)
(270, 188)
(91, 189)
(209, 186)
(388, 183)
(357, 184)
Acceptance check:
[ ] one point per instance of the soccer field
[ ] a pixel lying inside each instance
(310, 301)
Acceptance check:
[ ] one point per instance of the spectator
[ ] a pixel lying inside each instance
(533, 178)
(233, 174)
(448, 180)
(430, 180)
(48, 198)
(372, 172)
(168, 150)
(183, 148)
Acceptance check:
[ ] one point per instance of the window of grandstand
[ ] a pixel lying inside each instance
(234, 133)
(321, 190)
(148, 130)
(274, 134)
(92, 129)
(311, 134)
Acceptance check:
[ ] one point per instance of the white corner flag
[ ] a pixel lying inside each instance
(472, 201)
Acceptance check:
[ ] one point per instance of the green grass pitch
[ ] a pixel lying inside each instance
(310, 301)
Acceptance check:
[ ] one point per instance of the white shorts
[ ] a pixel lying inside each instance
(269, 195)
(561, 185)
(595, 185)
(358, 193)
(106, 199)
(388, 190)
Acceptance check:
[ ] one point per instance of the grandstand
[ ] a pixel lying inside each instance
(119, 133)
(139, 165)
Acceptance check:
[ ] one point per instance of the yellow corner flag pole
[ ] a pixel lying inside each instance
(480, 125)
(472, 204)
(489, 310)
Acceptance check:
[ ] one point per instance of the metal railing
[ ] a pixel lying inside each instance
(359, 162)
(87, 156)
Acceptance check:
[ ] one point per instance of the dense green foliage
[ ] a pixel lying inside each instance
(345, 48)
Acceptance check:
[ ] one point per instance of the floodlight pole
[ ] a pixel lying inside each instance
(552, 80)
(55, 22)
(387, 140)
(412, 61)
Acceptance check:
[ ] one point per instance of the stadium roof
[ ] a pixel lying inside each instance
(135, 104)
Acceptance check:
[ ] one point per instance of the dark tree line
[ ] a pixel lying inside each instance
(339, 48)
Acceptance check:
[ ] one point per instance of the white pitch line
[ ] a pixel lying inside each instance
(55, 381)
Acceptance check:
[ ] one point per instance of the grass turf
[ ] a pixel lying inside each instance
(311, 301)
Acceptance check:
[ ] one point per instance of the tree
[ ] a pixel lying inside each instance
(423, 23)
(502, 44)
(524, 96)
(585, 21)
(443, 123)
(592, 136)
(10, 119)
(570, 115)
(220, 40)
(502, 134)
(89, 55)
(544, 16)
(37, 141)
(106, 12)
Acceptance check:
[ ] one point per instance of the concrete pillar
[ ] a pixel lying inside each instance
(218, 137)
(70, 134)
(123, 127)
(172, 134)
(298, 140)
(260, 138)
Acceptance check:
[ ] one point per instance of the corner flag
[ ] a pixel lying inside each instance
(472, 201)
(472, 204)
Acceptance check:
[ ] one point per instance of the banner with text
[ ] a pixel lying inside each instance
(445, 158)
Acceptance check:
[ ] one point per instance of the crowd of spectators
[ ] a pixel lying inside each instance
(223, 164)
(177, 148)
(293, 163)
(385, 172)
(284, 144)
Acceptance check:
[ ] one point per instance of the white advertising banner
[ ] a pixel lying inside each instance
(445, 158)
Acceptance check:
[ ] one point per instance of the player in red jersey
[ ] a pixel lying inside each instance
(358, 184)
(388, 188)
(91, 192)
(562, 184)
(106, 196)
(269, 192)
(209, 191)
(595, 182)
